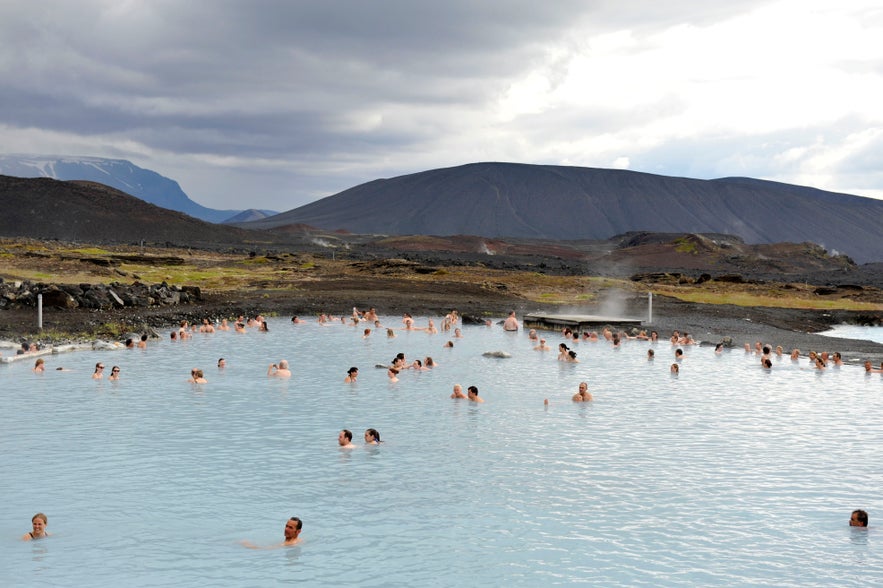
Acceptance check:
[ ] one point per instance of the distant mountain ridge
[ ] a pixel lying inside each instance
(116, 173)
(558, 202)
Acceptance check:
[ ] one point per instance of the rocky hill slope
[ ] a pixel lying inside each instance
(498, 200)
(43, 208)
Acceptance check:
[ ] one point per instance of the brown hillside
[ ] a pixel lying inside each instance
(44, 208)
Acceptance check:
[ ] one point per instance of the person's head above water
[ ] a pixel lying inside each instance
(293, 527)
(859, 518)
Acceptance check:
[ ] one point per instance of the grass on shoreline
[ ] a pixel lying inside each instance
(224, 272)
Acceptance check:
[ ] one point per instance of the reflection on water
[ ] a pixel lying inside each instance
(726, 474)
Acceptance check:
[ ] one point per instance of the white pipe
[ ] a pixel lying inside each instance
(650, 309)
(39, 312)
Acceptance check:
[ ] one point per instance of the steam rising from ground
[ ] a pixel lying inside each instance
(613, 303)
(325, 243)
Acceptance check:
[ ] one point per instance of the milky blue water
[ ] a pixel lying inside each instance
(724, 475)
(856, 332)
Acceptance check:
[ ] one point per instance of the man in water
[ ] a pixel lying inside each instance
(583, 395)
(293, 527)
(472, 394)
(345, 439)
(511, 323)
(39, 522)
(279, 370)
(458, 392)
(542, 346)
(859, 518)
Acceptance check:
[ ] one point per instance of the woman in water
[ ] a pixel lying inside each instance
(38, 522)
(372, 437)
(99, 371)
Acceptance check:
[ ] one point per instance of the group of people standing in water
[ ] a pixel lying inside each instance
(372, 437)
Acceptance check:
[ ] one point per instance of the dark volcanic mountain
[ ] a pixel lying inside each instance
(554, 202)
(42, 208)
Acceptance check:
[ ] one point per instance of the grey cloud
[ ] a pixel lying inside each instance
(327, 92)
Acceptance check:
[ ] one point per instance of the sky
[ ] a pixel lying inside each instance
(276, 103)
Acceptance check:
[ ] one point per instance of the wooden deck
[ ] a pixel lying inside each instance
(580, 322)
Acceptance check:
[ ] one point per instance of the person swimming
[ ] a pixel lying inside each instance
(293, 527)
(472, 394)
(38, 524)
(279, 370)
(583, 395)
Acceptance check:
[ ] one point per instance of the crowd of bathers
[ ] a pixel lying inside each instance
(764, 352)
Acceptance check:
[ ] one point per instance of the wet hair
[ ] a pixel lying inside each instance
(220, 360)
(679, 352)
(373, 433)
(198, 374)
(767, 349)
(429, 362)
(352, 370)
(418, 362)
(400, 355)
(393, 370)
(300, 523)
(348, 434)
(650, 353)
(767, 363)
(43, 518)
(473, 390)
(173, 335)
(860, 515)
(572, 354)
(144, 337)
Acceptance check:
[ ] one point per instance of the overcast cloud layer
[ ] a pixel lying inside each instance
(273, 104)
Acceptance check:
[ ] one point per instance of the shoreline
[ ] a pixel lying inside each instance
(790, 328)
